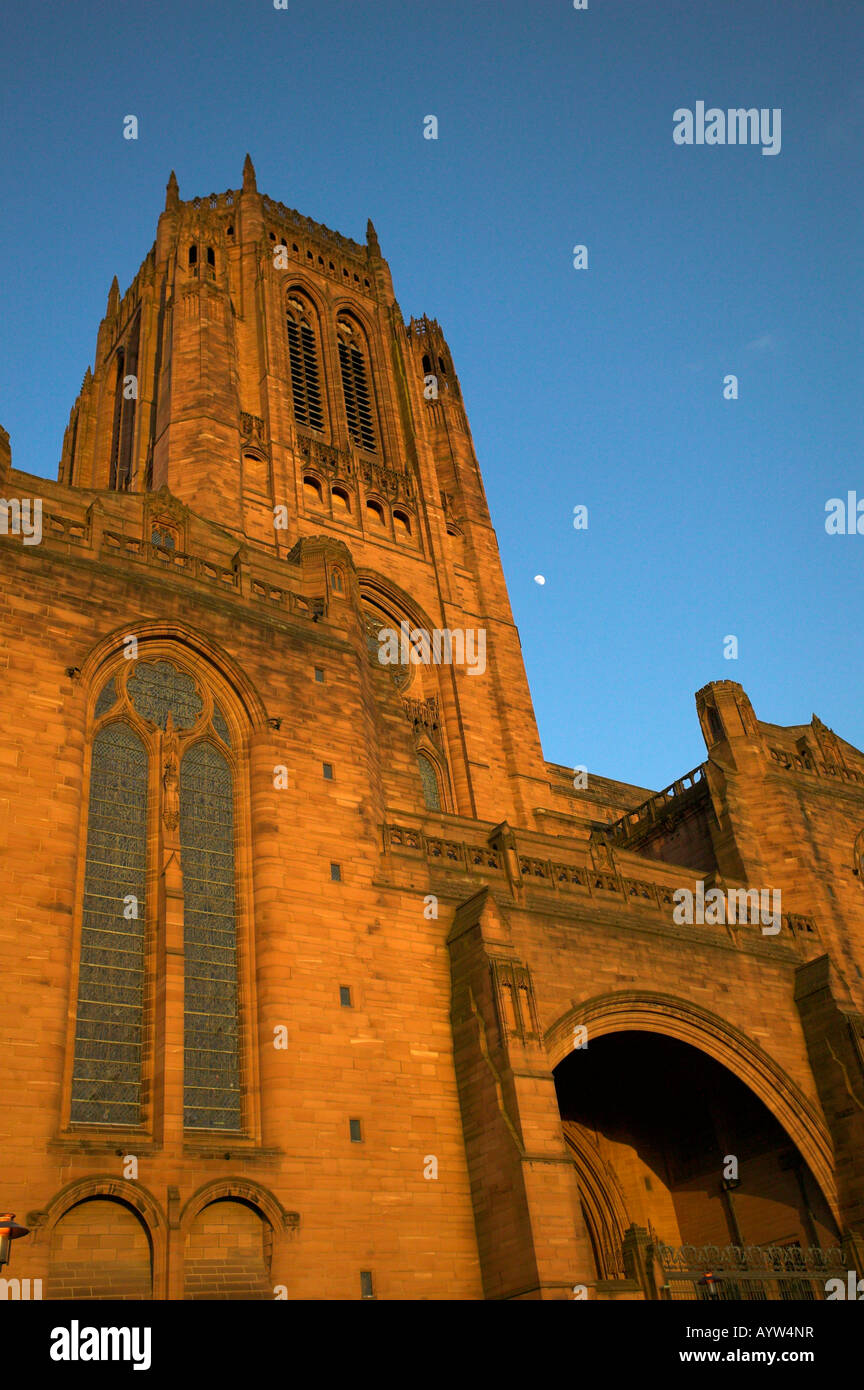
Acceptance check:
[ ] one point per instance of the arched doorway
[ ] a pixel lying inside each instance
(667, 1139)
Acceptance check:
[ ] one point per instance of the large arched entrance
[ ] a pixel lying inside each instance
(669, 1141)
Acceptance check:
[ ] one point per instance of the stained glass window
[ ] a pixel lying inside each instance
(156, 688)
(106, 700)
(212, 1050)
(431, 791)
(106, 1083)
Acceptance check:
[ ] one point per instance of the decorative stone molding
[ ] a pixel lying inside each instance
(424, 718)
(242, 1190)
(514, 999)
(547, 873)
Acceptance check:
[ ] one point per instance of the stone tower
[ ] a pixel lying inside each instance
(281, 396)
(321, 981)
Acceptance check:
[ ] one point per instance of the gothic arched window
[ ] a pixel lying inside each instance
(162, 788)
(429, 779)
(356, 389)
(125, 398)
(303, 356)
(106, 1079)
(312, 491)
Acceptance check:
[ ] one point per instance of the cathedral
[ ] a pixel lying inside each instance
(321, 983)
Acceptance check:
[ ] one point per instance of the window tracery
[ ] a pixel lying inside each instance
(161, 756)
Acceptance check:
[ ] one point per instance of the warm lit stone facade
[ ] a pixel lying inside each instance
(400, 913)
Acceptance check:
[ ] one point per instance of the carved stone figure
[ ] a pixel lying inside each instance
(170, 777)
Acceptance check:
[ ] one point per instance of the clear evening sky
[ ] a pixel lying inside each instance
(601, 387)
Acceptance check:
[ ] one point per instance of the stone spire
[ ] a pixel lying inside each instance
(172, 193)
(249, 184)
(113, 299)
(372, 239)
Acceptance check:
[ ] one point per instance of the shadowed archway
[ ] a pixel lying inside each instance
(668, 1139)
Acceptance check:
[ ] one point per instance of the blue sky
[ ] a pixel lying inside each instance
(601, 387)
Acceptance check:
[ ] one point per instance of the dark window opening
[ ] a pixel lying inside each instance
(303, 360)
(125, 392)
(355, 388)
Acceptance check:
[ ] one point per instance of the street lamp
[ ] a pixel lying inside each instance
(9, 1231)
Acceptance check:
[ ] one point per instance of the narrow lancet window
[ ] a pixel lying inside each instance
(429, 779)
(211, 1078)
(106, 1081)
(303, 356)
(355, 384)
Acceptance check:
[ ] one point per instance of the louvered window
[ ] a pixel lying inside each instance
(355, 385)
(305, 377)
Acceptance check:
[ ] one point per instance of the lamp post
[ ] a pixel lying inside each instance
(9, 1231)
